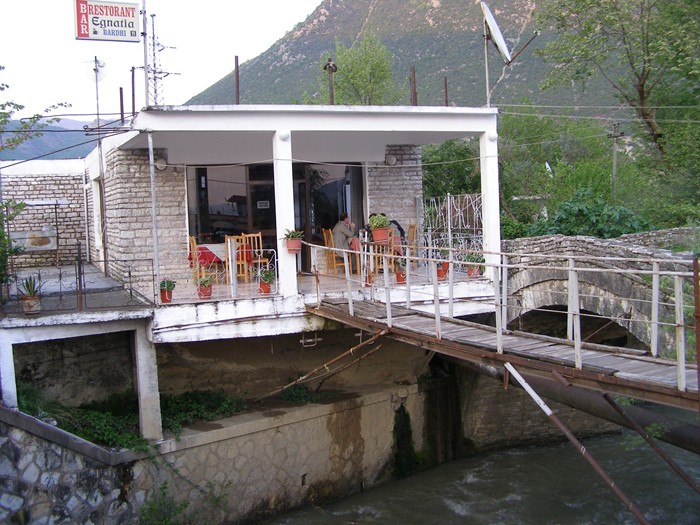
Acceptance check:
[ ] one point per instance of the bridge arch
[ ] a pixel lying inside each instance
(538, 277)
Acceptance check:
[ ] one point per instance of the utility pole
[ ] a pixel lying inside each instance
(616, 134)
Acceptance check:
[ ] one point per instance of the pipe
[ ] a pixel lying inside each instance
(677, 433)
(586, 455)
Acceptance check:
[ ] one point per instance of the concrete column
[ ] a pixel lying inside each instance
(284, 210)
(147, 386)
(7, 373)
(490, 199)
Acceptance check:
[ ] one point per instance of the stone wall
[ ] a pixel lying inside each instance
(397, 190)
(259, 463)
(77, 370)
(129, 230)
(48, 180)
(495, 418)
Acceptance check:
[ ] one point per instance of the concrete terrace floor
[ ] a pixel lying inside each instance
(59, 290)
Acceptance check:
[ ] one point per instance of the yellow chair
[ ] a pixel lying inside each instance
(412, 242)
(254, 240)
(242, 256)
(334, 260)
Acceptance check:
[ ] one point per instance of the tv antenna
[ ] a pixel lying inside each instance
(493, 33)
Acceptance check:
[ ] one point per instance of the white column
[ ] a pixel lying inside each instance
(284, 210)
(7, 373)
(147, 386)
(490, 199)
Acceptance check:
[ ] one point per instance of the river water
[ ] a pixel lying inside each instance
(535, 485)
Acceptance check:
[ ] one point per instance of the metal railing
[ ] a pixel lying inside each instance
(651, 298)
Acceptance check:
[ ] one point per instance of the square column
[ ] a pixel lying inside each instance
(284, 210)
(490, 199)
(150, 421)
(7, 373)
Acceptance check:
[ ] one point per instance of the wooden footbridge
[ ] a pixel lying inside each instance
(621, 371)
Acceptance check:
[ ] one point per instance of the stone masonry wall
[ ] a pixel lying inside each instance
(129, 223)
(69, 222)
(260, 463)
(72, 371)
(397, 190)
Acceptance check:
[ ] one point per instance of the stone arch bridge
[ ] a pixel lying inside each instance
(615, 279)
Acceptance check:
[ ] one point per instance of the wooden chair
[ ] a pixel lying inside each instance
(201, 268)
(237, 243)
(380, 250)
(255, 242)
(334, 261)
(412, 242)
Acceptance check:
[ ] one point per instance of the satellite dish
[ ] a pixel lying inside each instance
(494, 34)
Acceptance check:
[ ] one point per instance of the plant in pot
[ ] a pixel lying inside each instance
(293, 238)
(400, 270)
(265, 276)
(204, 288)
(166, 290)
(379, 224)
(443, 267)
(474, 264)
(29, 290)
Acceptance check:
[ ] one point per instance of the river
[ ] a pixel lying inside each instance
(535, 485)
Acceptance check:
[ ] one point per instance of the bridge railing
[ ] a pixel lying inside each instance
(651, 298)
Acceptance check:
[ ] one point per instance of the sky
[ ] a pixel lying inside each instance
(45, 64)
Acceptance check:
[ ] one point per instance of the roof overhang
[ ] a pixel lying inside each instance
(244, 134)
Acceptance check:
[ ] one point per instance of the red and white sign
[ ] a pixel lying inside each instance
(107, 21)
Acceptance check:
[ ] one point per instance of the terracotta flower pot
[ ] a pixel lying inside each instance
(30, 303)
(294, 245)
(166, 296)
(380, 235)
(473, 270)
(400, 277)
(442, 272)
(204, 292)
(264, 287)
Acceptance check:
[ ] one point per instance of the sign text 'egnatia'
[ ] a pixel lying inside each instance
(106, 21)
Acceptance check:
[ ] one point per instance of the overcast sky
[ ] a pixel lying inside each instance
(45, 64)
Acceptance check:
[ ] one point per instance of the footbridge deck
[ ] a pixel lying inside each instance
(623, 371)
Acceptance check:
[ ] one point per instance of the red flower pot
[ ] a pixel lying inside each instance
(293, 245)
(401, 277)
(204, 292)
(166, 296)
(264, 287)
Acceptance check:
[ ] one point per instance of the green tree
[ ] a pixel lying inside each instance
(632, 44)
(364, 75)
(450, 167)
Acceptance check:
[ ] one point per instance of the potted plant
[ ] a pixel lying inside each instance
(379, 224)
(29, 289)
(266, 276)
(474, 264)
(166, 290)
(293, 238)
(443, 266)
(400, 270)
(203, 287)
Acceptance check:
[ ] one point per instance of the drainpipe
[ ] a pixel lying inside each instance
(152, 173)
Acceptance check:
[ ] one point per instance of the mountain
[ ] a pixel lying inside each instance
(440, 38)
(64, 140)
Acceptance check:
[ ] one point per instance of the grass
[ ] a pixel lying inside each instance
(114, 422)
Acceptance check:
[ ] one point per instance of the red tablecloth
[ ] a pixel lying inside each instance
(208, 254)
